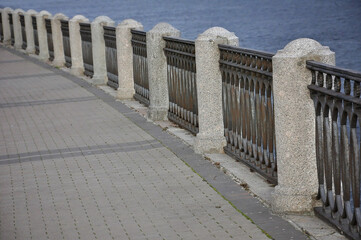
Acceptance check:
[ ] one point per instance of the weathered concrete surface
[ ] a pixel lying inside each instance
(59, 57)
(6, 25)
(295, 125)
(157, 70)
(98, 47)
(30, 44)
(209, 89)
(125, 57)
(42, 35)
(17, 29)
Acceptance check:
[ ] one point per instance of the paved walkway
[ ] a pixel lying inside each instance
(76, 164)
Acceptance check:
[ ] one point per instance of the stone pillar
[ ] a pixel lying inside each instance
(30, 44)
(157, 70)
(77, 65)
(17, 29)
(295, 125)
(98, 47)
(209, 89)
(125, 57)
(59, 58)
(6, 26)
(42, 35)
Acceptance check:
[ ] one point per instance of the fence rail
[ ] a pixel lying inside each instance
(86, 42)
(336, 95)
(248, 108)
(10, 15)
(66, 42)
(23, 30)
(111, 56)
(49, 35)
(182, 87)
(36, 37)
(140, 66)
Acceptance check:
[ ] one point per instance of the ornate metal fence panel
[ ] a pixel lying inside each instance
(182, 87)
(66, 42)
(86, 43)
(140, 66)
(23, 31)
(336, 95)
(111, 56)
(248, 108)
(49, 34)
(1, 28)
(11, 28)
(36, 38)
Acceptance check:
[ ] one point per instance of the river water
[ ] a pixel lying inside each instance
(259, 24)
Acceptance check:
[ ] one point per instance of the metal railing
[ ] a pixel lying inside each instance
(336, 95)
(182, 87)
(49, 35)
(1, 28)
(66, 42)
(248, 108)
(11, 28)
(23, 30)
(86, 43)
(111, 56)
(36, 37)
(140, 66)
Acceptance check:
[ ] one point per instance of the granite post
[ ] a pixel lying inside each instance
(59, 58)
(98, 47)
(157, 70)
(6, 26)
(125, 57)
(30, 43)
(210, 138)
(295, 125)
(77, 65)
(42, 35)
(17, 29)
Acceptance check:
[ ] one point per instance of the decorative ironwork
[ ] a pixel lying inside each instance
(111, 56)
(11, 28)
(36, 38)
(140, 66)
(248, 108)
(66, 42)
(336, 95)
(87, 49)
(23, 31)
(1, 28)
(182, 87)
(49, 34)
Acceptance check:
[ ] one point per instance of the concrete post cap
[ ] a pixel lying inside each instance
(131, 23)
(217, 32)
(60, 16)
(302, 47)
(31, 12)
(18, 10)
(104, 21)
(79, 19)
(164, 28)
(44, 14)
(7, 9)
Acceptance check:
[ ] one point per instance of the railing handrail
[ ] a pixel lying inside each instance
(139, 32)
(179, 40)
(333, 70)
(263, 54)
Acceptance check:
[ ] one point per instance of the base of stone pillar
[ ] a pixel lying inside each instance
(77, 71)
(157, 114)
(125, 93)
(287, 200)
(58, 63)
(99, 80)
(44, 58)
(208, 144)
(30, 50)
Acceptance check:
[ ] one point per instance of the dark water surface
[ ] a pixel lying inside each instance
(259, 24)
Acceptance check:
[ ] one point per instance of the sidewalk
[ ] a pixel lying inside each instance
(76, 164)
